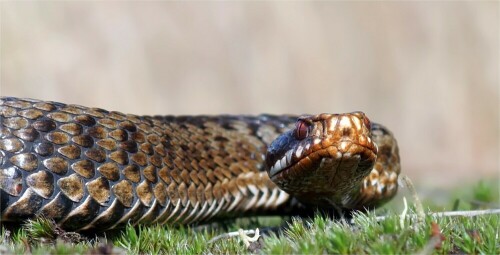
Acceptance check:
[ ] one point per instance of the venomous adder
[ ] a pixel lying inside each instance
(92, 169)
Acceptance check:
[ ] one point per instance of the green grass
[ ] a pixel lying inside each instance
(319, 235)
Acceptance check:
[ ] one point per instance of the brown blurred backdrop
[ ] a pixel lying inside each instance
(427, 70)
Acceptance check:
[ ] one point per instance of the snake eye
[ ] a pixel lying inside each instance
(301, 130)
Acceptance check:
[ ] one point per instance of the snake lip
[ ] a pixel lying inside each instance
(280, 165)
(276, 170)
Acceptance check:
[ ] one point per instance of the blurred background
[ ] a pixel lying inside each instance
(427, 70)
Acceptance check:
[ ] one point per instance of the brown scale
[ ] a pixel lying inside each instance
(91, 169)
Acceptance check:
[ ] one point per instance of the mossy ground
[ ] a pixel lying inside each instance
(365, 234)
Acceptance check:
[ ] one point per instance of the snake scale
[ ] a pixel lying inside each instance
(92, 169)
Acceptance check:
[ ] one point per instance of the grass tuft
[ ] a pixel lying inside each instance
(41, 230)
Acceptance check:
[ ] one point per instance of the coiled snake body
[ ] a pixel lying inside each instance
(91, 169)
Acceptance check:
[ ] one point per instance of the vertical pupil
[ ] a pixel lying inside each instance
(301, 131)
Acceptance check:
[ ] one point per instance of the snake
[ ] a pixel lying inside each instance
(90, 169)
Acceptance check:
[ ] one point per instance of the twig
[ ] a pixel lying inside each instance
(233, 234)
(466, 213)
(418, 205)
(246, 239)
(472, 213)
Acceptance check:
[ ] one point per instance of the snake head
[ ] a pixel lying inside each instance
(323, 158)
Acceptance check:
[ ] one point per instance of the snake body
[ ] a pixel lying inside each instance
(92, 169)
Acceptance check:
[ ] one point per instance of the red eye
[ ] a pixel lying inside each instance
(301, 130)
(367, 123)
